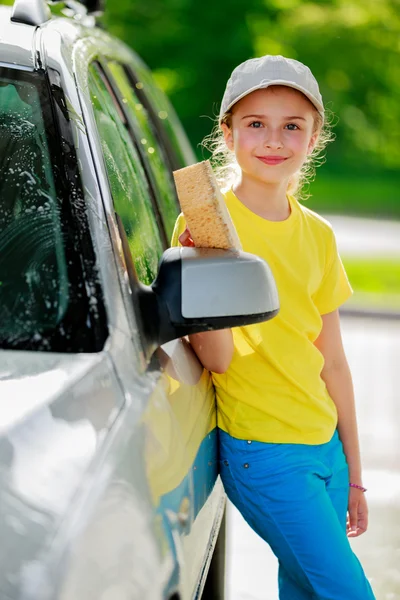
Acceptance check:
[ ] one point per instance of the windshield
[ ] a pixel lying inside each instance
(41, 279)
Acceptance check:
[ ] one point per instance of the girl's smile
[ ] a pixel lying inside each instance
(271, 160)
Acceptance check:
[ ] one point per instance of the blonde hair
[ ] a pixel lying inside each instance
(226, 168)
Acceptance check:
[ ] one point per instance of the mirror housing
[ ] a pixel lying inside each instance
(202, 289)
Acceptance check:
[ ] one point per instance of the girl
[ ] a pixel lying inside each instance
(288, 441)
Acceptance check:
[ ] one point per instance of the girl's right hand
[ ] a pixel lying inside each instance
(185, 239)
(357, 516)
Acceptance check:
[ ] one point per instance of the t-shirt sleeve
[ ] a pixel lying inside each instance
(334, 288)
(180, 226)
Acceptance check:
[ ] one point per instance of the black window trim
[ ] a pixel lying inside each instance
(89, 265)
(154, 129)
(163, 138)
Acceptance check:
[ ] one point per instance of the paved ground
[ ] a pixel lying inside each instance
(373, 349)
(360, 237)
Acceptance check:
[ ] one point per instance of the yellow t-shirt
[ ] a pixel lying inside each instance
(273, 390)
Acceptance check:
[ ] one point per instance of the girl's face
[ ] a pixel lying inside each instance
(272, 132)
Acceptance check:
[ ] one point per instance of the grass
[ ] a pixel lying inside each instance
(360, 195)
(376, 282)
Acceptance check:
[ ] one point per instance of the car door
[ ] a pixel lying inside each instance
(179, 416)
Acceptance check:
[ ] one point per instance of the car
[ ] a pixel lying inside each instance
(109, 485)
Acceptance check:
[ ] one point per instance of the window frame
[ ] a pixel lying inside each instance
(133, 281)
(159, 131)
(166, 151)
(176, 163)
(100, 64)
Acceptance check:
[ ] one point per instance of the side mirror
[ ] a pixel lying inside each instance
(200, 289)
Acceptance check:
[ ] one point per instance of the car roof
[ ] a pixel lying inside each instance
(19, 42)
(16, 41)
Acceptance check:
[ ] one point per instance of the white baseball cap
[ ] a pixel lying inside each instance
(258, 73)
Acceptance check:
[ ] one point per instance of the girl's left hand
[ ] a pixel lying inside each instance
(357, 516)
(186, 239)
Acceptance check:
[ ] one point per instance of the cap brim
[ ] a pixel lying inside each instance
(295, 86)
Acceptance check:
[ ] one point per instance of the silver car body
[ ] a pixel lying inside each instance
(108, 474)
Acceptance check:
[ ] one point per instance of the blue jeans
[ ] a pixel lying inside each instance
(295, 497)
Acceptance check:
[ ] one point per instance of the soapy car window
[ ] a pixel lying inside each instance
(43, 300)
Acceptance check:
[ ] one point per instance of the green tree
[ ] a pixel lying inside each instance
(352, 46)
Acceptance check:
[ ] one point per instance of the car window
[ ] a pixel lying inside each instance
(152, 151)
(163, 113)
(129, 186)
(43, 304)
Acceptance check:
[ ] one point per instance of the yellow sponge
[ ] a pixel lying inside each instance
(204, 208)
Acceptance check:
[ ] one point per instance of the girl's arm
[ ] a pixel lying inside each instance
(214, 349)
(337, 377)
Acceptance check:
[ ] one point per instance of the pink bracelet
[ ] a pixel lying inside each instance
(359, 487)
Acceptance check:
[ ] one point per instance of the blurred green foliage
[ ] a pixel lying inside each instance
(352, 47)
(375, 281)
(374, 275)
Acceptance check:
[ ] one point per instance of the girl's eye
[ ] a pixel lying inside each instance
(255, 124)
(292, 126)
